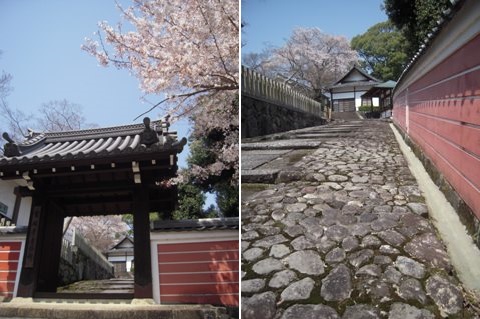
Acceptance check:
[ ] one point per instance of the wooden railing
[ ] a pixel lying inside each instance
(258, 86)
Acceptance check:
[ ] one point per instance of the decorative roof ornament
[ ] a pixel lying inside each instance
(10, 149)
(148, 137)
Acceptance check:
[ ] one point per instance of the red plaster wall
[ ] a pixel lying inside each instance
(199, 272)
(9, 258)
(444, 119)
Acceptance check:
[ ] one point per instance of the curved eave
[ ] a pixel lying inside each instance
(140, 152)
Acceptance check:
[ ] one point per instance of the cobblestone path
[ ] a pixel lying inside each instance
(344, 233)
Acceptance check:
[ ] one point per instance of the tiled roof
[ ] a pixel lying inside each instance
(120, 252)
(370, 78)
(230, 223)
(353, 84)
(116, 247)
(92, 143)
(376, 89)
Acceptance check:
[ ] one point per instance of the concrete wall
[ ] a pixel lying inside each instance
(7, 198)
(260, 117)
(437, 105)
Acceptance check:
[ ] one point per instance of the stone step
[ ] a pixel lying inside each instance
(282, 145)
(266, 176)
(99, 286)
(105, 309)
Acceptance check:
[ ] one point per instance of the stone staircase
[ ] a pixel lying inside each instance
(107, 286)
(345, 115)
(71, 302)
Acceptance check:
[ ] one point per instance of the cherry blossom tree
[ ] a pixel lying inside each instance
(187, 50)
(309, 57)
(102, 232)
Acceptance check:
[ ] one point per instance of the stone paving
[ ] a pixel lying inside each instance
(347, 235)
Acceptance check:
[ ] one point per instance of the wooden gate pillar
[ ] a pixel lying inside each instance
(42, 249)
(48, 278)
(141, 234)
(36, 229)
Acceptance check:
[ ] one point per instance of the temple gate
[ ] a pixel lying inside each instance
(50, 176)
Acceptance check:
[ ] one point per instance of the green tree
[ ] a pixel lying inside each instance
(383, 49)
(220, 184)
(416, 18)
(227, 199)
(204, 152)
(190, 202)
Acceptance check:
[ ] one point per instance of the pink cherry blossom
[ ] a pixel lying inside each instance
(187, 50)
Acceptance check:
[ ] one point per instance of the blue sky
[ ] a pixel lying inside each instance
(41, 43)
(272, 21)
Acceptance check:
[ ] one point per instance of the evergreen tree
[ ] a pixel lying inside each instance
(383, 49)
(415, 18)
(190, 202)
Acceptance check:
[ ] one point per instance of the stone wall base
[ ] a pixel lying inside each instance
(262, 118)
(466, 215)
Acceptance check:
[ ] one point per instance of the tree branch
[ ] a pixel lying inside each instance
(203, 89)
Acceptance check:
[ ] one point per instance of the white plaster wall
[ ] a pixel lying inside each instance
(24, 212)
(7, 197)
(122, 259)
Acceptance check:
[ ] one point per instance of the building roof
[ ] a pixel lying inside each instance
(367, 77)
(376, 90)
(120, 247)
(386, 85)
(109, 142)
(352, 84)
(230, 223)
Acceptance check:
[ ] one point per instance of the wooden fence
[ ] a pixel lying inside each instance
(260, 87)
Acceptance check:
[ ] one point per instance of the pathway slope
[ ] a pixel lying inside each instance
(341, 230)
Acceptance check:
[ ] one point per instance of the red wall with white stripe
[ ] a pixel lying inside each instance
(440, 111)
(10, 252)
(199, 272)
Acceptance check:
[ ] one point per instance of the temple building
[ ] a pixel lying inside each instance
(346, 93)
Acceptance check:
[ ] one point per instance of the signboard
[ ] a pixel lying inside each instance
(3, 208)
(32, 237)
